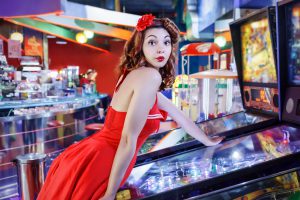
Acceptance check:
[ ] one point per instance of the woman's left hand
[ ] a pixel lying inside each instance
(214, 140)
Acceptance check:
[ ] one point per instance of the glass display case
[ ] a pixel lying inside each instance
(217, 96)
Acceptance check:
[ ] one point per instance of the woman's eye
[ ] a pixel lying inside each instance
(151, 42)
(167, 42)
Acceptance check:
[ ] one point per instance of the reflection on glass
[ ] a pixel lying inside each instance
(205, 163)
(210, 127)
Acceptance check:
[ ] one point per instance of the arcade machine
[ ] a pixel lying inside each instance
(256, 66)
(286, 184)
(257, 154)
(288, 59)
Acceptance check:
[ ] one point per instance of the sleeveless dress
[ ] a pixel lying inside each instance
(82, 171)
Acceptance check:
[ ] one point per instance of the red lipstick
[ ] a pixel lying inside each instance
(160, 58)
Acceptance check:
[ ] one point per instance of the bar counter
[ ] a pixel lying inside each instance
(44, 126)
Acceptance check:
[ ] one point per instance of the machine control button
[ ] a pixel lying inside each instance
(289, 105)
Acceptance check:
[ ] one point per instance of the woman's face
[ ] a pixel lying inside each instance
(157, 47)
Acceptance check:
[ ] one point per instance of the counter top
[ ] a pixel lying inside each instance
(41, 108)
(47, 101)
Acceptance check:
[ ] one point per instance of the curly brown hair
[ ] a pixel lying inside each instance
(133, 56)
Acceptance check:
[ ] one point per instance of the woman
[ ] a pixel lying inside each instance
(95, 167)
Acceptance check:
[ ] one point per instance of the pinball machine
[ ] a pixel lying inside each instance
(264, 153)
(285, 184)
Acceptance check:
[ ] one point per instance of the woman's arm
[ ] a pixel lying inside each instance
(187, 124)
(144, 93)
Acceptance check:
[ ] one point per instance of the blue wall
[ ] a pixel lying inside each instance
(253, 3)
(210, 10)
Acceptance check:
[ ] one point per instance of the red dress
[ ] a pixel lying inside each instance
(82, 170)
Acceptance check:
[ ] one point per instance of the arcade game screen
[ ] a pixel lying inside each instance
(257, 52)
(293, 32)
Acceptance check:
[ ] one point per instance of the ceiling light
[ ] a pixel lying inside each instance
(17, 36)
(220, 41)
(61, 42)
(88, 34)
(51, 36)
(81, 38)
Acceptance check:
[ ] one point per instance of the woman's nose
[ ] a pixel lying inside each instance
(160, 50)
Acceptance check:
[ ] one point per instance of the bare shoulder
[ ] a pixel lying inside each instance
(146, 75)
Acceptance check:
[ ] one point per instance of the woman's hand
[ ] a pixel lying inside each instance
(214, 140)
(186, 123)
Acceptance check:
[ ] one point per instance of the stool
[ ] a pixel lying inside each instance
(55, 123)
(93, 127)
(53, 132)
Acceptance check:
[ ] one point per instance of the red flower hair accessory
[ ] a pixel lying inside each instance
(144, 22)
